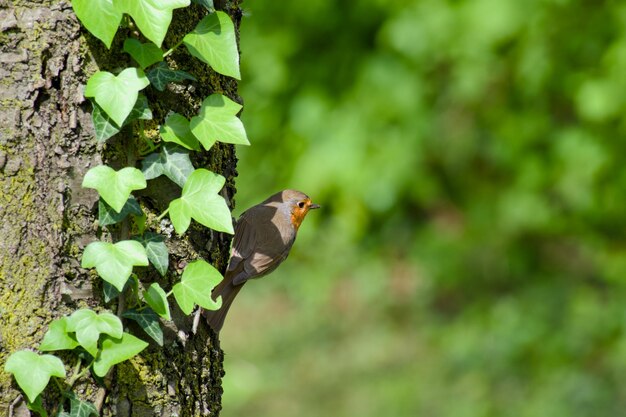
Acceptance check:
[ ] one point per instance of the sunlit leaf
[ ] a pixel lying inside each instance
(217, 121)
(114, 186)
(200, 200)
(88, 326)
(195, 286)
(58, 337)
(213, 42)
(152, 17)
(100, 17)
(32, 371)
(116, 350)
(114, 261)
(116, 95)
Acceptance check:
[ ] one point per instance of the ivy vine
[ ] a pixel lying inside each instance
(117, 101)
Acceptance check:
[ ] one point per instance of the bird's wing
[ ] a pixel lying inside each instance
(243, 244)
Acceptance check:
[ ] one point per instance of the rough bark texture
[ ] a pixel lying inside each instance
(46, 218)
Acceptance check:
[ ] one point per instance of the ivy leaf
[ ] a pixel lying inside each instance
(57, 337)
(106, 128)
(114, 186)
(161, 75)
(195, 286)
(88, 326)
(107, 216)
(79, 408)
(217, 120)
(176, 129)
(100, 17)
(208, 4)
(37, 407)
(148, 321)
(145, 54)
(116, 95)
(110, 292)
(102, 123)
(213, 42)
(114, 262)
(200, 200)
(157, 299)
(152, 17)
(156, 250)
(173, 161)
(32, 371)
(117, 350)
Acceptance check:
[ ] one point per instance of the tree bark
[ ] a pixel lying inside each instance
(47, 144)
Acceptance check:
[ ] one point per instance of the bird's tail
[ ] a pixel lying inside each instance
(228, 291)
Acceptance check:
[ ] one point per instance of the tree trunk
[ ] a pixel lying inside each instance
(47, 144)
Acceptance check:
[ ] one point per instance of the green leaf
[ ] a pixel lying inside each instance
(161, 75)
(152, 17)
(173, 161)
(79, 408)
(63, 414)
(114, 262)
(116, 95)
(117, 350)
(140, 110)
(176, 129)
(110, 292)
(195, 286)
(157, 299)
(213, 42)
(107, 216)
(57, 337)
(100, 17)
(37, 407)
(208, 4)
(88, 326)
(149, 322)
(145, 54)
(105, 127)
(217, 121)
(102, 123)
(114, 186)
(32, 371)
(156, 250)
(200, 200)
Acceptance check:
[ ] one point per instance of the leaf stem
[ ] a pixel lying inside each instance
(78, 375)
(169, 52)
(169, 293)
(163, 214)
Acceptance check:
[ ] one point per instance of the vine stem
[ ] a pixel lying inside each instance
(163, 214)
(77, 375)
(173, 48)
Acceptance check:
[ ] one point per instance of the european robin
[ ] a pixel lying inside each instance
(263, 238)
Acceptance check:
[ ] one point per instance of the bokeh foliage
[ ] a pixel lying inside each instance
(469, 259)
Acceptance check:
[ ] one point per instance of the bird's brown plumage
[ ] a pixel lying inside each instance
(263, 238)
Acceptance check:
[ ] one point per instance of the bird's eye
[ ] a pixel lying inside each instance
(301, 204)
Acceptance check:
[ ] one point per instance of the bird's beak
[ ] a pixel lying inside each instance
(314, 206)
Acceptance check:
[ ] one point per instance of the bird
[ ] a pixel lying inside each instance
(264, 235)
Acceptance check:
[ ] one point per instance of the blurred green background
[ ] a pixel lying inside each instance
(470, 258)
